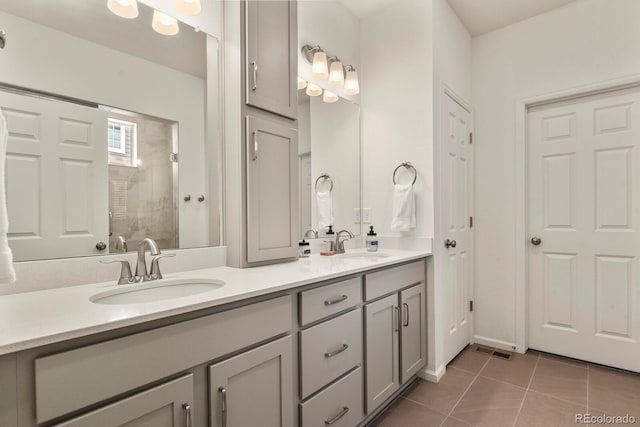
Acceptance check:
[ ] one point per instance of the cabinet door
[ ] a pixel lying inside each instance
(271, 56)
(413, 331)
(272, 191)
(168, 405)
(382, 364)
(254, 388)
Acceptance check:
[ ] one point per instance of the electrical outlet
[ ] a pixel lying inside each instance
(356, 215)
(366, 216)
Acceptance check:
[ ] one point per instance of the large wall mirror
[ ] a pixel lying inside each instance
(329, 159)
(113, 130)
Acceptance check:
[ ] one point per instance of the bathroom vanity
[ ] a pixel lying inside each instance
(316, 341)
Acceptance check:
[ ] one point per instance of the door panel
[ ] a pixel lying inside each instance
(584, 205)
(413, 338)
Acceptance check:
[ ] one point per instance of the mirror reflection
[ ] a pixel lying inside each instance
(107, 136)
(329, 159)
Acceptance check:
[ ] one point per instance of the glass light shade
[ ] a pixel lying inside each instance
(329, 97)
(188, 7)
(314, 90)
(124, 8)
(319, 69)
(351, 85)
(336, 74)
(165, 24)
(302, 83)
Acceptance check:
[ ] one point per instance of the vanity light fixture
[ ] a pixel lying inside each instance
(127, 9)
(302, 83)
(319, 69)
(351, 85)
(329, 97)
(165, 24)
(188, 7)
(336, 72)
(313, 90)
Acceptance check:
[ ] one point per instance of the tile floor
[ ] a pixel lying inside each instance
(534, 389)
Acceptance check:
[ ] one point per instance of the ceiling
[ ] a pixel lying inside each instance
(479, 16)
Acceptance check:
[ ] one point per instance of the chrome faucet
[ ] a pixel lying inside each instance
(120, 245)
(339, 244)
(141, 266)
(311, 231)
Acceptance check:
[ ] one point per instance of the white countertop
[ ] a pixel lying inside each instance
(33, 319)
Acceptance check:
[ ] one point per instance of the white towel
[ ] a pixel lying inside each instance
(7, 273)
(325, 209)
(403, 217)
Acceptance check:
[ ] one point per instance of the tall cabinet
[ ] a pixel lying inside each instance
(261, 139)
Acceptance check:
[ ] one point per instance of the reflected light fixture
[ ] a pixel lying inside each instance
(329, 97)
(336, 72)
(313, 90)
(127, 9)
(351, 85)
(302, 83)
(188, 7)
(165, 24)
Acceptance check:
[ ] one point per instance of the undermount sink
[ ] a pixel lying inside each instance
(156, 290)
(364, 255)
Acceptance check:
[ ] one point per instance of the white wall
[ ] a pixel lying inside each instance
(585, 42)
(396, 89)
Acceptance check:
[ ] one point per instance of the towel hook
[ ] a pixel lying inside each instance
(324, 176)
(409, 166)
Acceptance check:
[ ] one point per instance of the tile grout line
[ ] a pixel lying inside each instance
(466, 390)
(527, 390)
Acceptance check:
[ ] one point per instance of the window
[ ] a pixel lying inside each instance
(122, 139)
(117, 138)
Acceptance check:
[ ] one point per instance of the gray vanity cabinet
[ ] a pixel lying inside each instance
(254, 388)
(272, 190)
(270, 44)
(412, 331)
(167, 405)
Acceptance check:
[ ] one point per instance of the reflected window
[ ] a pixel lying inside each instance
(122, 139)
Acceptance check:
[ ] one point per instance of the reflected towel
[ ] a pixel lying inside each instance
(325, 209)
(7, 273)
(403, 217)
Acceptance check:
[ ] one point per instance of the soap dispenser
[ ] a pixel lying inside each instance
(372, 240)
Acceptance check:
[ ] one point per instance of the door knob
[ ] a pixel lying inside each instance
(101, 246)
(536, 240)
(450, 244)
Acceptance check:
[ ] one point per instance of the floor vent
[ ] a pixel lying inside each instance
(486, 350)
(502, 355)
(494, 352)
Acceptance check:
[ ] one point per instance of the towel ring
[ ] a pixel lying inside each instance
(325, 177)
(409, 166)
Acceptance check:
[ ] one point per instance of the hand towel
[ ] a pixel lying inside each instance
(7, 273)
(325, 209)
(403, 216)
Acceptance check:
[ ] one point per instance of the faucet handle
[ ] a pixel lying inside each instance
(155, 266)
(125, 271)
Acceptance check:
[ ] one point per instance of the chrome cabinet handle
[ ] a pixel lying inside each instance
(187, 414)
(406, 309)
(336, 300)
(110, 223)
(255, 76)
(335, 419)
(396, 319)
(535, 240)
(255, 146)
(338, 351)
(450, 244)
(223, 412)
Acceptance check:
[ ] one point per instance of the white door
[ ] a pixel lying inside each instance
(456, 174)
(57, 181)
(584, 214)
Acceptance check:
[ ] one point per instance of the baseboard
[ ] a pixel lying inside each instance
(502, 345)
(432, 376)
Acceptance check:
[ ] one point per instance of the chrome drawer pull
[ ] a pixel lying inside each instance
(223, 405)
(187, 414)
(338, 351)
(254, 64)
(406, 307)
(337, 417)
(336, 300)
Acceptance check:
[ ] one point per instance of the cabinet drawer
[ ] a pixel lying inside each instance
(68, 381)
(331, 299)
(341, 403)
(330, 349)
(391, 280)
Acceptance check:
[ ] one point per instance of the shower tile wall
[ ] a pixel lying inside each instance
(141, 198)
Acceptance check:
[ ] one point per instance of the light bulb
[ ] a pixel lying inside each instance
(319, 69)
(127, 9)
(302, 83)
(351, 85)
(329, 97)
(336, 74)
(188, 7)
(165, 24)
(314, 90)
